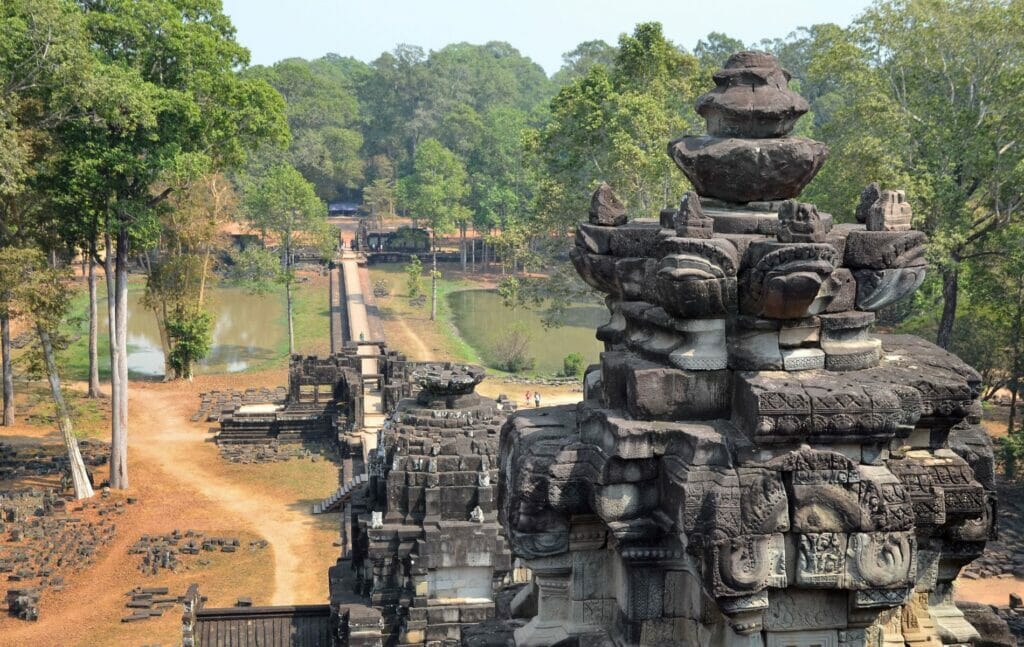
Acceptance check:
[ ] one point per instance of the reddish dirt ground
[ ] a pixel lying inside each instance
(182, 483)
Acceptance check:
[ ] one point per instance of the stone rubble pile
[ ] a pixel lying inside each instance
(164, 552)
(149, 602)
(18, 463)
(275, 451)
(44, 537)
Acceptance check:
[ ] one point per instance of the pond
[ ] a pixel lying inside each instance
(484, 320)
(248, 330)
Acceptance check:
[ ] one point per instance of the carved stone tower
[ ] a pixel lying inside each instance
(431, 553)
(752, 465)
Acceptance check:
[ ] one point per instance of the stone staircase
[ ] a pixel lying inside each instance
(332, 502)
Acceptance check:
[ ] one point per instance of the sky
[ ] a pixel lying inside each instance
(540, 29)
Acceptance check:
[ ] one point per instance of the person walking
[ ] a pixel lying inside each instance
(536, 399)
(527, 397)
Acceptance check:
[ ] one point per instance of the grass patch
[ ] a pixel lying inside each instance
(90, 417)
(297, 479)
(440, 336)
(311, 318)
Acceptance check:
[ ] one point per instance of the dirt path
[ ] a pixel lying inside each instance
(182, 483)
(178, 449)
(422, 353)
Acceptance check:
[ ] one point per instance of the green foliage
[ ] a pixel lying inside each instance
(191, 334)
(255, 268)
(282, 203)
(1009, 451)
(573, 365)
(437, 188)
(41, 295)
(323, 116)
(512, 352)
(414, 276)
(581, 59)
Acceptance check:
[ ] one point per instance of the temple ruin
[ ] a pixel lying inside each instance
(752, 464)
(431, 553)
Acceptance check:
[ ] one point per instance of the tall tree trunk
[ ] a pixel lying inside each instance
(119, 430)
(462, 245)
(79, 477)
(433, 289)
(950, 290)
(117, 460)
(202, 277)
(165, 342)
(1018, 324)
(8, 369)
(472, 250)
(291, 324)
(94, 364)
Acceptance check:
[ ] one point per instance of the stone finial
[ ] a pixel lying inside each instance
(799, 222)
(690, 221)
(890, 212)
(605, 208)
(868, 197)
(751, 98)
(748, 154)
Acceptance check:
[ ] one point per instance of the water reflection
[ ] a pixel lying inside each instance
(246, 331)
(483, 319)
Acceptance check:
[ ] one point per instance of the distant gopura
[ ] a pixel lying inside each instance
(751, 465)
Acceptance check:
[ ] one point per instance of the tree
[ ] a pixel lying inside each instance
(581, 59)
(512, 351)
(610, 125)
(436, 190)
(44, 64)
(167, 87)
(713, 52)
(180, 266)
(323, 114)
(283, 205)
(42, 294)
(926, 92)
(413, 276)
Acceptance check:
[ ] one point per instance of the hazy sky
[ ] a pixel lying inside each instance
(540, 29)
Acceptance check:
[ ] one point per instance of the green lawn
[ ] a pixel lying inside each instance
(440, 333)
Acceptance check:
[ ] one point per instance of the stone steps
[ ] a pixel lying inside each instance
(332, 502)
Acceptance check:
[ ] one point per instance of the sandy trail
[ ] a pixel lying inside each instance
(178, 449)
(422, 352)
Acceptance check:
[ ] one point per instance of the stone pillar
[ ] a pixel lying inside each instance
(554, 609)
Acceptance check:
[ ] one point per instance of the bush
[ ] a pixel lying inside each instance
(512, 352)
(414, 272)
(191, 336)
(1009, 451)
(572, 365)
